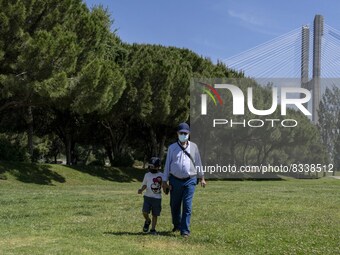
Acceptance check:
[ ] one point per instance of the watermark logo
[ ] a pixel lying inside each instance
(239, 99)
(263, 128)
(209, 90)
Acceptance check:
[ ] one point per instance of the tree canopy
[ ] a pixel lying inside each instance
(69, 85)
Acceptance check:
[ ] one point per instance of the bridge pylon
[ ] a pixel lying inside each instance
(315, 83)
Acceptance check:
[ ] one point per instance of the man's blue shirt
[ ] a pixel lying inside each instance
(179, 164)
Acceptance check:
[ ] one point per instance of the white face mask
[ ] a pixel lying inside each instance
(183, 138)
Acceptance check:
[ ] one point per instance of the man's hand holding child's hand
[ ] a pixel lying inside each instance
(166, 187)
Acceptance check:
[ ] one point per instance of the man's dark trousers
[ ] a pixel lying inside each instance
(181, 194)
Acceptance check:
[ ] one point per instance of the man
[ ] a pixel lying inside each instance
(180, 170)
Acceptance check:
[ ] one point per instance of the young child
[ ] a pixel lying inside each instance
(152, 184)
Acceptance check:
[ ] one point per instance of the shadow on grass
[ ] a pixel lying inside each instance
(44, 174)
(160, 233)
(124, 174)
(31, 173)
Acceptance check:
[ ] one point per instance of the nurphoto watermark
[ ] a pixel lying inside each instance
(268, 128)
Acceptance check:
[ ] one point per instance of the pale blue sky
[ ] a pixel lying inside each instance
(217, 29)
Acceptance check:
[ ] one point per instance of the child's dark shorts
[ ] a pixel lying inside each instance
(152, 204)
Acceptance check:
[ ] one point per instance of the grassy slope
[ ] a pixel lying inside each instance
(54, 209)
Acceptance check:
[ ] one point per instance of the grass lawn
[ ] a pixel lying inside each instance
(53, 209)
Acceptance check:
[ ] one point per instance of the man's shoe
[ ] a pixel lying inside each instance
(175, 229)
(146, 226)
(153, 232)
(185, 235)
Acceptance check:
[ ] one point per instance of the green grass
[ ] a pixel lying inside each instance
(52, 209)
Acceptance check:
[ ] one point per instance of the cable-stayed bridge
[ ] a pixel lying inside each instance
(311, 55)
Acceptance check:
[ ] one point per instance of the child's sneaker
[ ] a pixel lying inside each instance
(153, 232)
(146, 226)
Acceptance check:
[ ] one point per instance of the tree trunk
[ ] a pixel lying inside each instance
(144, 161)
(266, 154)
(29, 121)
(260, 148)
(244, 156)
(154, 145)
(68, 147)
(108, 150)
(74, 157)
(232, 153)
(88, 155)
(161, 147)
